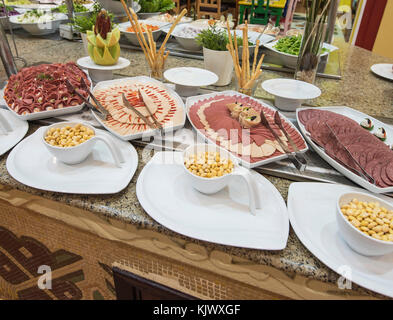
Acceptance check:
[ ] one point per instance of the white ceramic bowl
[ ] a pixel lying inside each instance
(186, 42)
(131, 36)
(290, 60)
(145, 15)
(214, 185)
(356, 239)
(38, 29)
(289, 93)
(77, 154)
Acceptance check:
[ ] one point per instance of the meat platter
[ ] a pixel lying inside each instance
(165, 104)
(230, 120)
(357, 145)
(40, 92)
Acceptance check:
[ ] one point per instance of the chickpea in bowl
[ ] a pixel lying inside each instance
(72, 142)
(366, 223)
(68, 136)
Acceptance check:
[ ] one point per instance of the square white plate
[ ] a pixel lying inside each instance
(31, 163)
(192, 100)
(165, 193)
(312, 213)
(358, 117)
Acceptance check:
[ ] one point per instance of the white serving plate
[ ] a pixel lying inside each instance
(290, 93)
(290, 60)
(191, 100)
(38, 29)
(19, 129)
(50, 113)
(31, 163)
(312, 213)
(150, 132)
(189, 79)
(100, 72)
(131, 36)
(358, 117)
(383, 70)
(164, 192)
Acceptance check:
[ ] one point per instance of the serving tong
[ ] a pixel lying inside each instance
(363, 174)
(98, 108)
(299, 162)
(155, 124)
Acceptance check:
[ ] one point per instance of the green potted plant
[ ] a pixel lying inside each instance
(216, 56)
(84, 23)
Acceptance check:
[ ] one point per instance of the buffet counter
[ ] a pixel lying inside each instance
(82, 236)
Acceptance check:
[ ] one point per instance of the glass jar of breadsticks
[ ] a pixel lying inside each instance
(155, 58)
(247, 77)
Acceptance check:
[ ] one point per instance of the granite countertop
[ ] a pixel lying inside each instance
(358, 89)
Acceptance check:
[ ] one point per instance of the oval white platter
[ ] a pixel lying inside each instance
(224, 218)
(149, 132)
(19, 129)
(31, 163)
(384, 70)
(358, 117)
(312, 213)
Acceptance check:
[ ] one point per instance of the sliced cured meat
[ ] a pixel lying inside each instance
(163, 105)
(43, 87)
(371, 153)
(252, 144)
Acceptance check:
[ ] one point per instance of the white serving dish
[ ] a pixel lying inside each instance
(149, 132)
(31, 164)
(384, 70)
(289, 94)
(98, 72)
(131, 36)
(48, 114)
(213, 185)
(15, 130)
(191, 100)
(312, 213)
(356, 239)
(224, 218)
(79, 153)
(158, 18)
(189, 79)
(187, 43)
(39, 29)
(358, 117)
(290, 60)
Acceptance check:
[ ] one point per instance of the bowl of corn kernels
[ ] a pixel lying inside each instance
(366, 223)
(208, 167)
(70, 142)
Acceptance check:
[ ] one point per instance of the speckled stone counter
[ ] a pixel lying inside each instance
(358, 88)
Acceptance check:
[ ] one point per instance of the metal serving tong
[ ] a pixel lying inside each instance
(140, 115)
(100, 110)
(278, 122)
(292, 157)
(363, 174)
(144, 98)
(99, 106)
